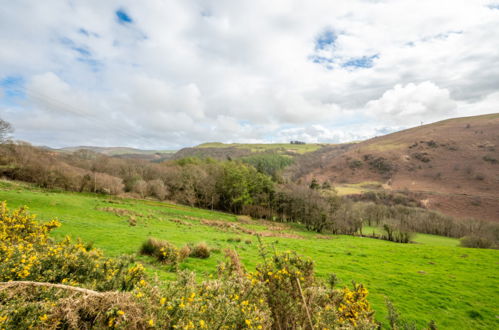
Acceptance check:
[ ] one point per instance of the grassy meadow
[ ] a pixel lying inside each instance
(432, 279)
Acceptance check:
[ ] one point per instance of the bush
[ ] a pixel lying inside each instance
(201, 251)
(28, 254)
(294, 296)
(490, 159)
(163, 251)
(396, 233)
(474, 241)
(184, 252)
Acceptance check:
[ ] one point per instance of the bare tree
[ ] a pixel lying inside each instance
(5, 130)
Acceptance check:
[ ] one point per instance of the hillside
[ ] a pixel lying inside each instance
(123, 152)
(434, 279)
(223, 151)
(452, 164)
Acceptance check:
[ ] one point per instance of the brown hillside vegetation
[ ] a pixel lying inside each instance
(452, 164)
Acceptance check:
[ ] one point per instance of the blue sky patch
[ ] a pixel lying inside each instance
(12, 89)
(123, 17)
(325, 40)
(360, 62)
(84, 55)
(82, 51)
(95, 65)
(84, 32)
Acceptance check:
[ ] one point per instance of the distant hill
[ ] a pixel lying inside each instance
(454, 164)
(123, 152)
(222, 151)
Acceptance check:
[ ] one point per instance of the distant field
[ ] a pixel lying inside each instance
(357, 188)
(298, 148)
(434, 279)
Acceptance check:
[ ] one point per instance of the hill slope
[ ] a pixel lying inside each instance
(223, 151)
(454, 164)
(123, 152)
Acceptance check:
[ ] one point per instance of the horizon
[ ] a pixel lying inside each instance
(283, 142)
(169, 75)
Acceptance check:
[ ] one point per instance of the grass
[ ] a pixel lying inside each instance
(434, 279)
(357, 188)
(265, 147)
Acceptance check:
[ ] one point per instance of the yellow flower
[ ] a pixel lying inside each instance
(202, 324)
(162, 301)
(120, 312)
(43, 318)
(248, 322)
(151, 322)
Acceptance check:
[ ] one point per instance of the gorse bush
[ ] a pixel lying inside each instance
(27, 253)
(163, 251)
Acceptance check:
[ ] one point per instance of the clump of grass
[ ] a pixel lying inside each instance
(184, 252)
(244, 219)
(132, 221)
(150, 247)
(248, 241)
(201, 251)
(234, 239)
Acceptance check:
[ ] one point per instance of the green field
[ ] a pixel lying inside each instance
(266, 147)
(434, 279)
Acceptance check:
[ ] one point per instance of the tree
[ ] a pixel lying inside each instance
(5, 130)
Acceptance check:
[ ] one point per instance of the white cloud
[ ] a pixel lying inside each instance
(184, 72)
(412, 103)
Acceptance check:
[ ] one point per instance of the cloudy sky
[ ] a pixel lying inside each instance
(166, 74)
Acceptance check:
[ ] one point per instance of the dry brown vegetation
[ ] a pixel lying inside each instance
(450, 164)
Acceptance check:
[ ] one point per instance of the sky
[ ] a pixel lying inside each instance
(164, 74)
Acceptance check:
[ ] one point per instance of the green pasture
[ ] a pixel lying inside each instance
(433, 278)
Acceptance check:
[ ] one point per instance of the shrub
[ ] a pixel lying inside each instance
(379, 164)
(201, 251)
(164, 251)
(28, 254)
(422, 156)
(479, 177)
(296, 297)
(396, 232)
(490, 159)
(353, 164)
(474, 241)
(184, 252)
